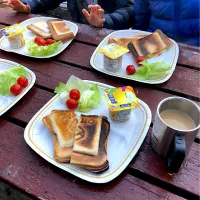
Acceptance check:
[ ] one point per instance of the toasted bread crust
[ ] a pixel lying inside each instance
(64, 37)
(61, 154)
(94, 162)
(150, 45)
(88, 135)
(64, 125)
(39, 32)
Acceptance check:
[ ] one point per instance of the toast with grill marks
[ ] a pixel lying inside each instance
(64, 124)
(99, 162)
(59, 30)
(88, 134)
(149, 46)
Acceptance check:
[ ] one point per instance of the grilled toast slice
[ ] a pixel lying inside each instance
(149, 46)
(88, 135)
(60, 30)
(40, 28)
(61, 154)
(99, 162)
(64, 123)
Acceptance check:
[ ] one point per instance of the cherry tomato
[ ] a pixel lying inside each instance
(72, 104)
(36, 39)
(74, 94)
(40, 41)
(130, 69)
(23, 81)
(140, 59)
(16, 89)
(49, 41)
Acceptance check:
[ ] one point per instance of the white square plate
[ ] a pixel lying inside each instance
(6, 102)
(28, 35)
(170, 56)
(124, 140)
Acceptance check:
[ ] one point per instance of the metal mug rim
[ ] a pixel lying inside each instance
(176, 97)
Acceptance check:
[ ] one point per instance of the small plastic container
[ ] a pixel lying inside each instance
(120, 102)
(113, 56)
(14, 34)
(112, 65)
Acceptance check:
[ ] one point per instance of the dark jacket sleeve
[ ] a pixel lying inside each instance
(142, 15)
(38, 6)
(122, 17)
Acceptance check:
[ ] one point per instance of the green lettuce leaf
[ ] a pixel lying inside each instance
(76, 83)
(90, 99)
(60, 88)
(90, 95)
(96, 97)
(36, 50)
(84, 101)
(9, 78)
(156, 70)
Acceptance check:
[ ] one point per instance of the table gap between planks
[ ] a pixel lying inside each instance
(146, 176)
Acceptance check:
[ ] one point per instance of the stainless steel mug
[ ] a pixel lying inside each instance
(169, 142)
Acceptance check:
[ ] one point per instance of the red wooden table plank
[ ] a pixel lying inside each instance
(188, 55)
(32, 174)
(29, 105)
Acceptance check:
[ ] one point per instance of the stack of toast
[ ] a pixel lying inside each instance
(81, 142)
(146, 46)
(56, 29)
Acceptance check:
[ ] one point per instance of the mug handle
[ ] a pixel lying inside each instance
(178, 153)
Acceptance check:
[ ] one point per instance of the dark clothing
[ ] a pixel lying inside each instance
(178, 19)
(118, 13)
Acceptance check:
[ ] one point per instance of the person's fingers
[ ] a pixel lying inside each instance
(101, 12)
(91, 7)
(12, 6)
(98, 7)
(86, 14)
(6, 2)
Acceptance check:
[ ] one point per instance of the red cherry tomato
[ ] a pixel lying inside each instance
(40, 41)
(72, 104)
(74, 94)
(49, 41)
(130, 69)
(23, 81)
(16, 89)
(140, 59)
(36, 39)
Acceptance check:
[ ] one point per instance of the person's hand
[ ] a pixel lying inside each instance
(95, 17)
(17, 5)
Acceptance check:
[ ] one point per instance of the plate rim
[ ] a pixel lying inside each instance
(132, 152)
(41, 57)
(159, 81)
(24, 91)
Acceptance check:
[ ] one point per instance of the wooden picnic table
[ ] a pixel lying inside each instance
(146, 176)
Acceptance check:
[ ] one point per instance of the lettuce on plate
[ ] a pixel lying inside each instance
(152, 71)
(9, 77)
(36, 50)
(90, 94)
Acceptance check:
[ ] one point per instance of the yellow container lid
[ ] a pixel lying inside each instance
(121, 98)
